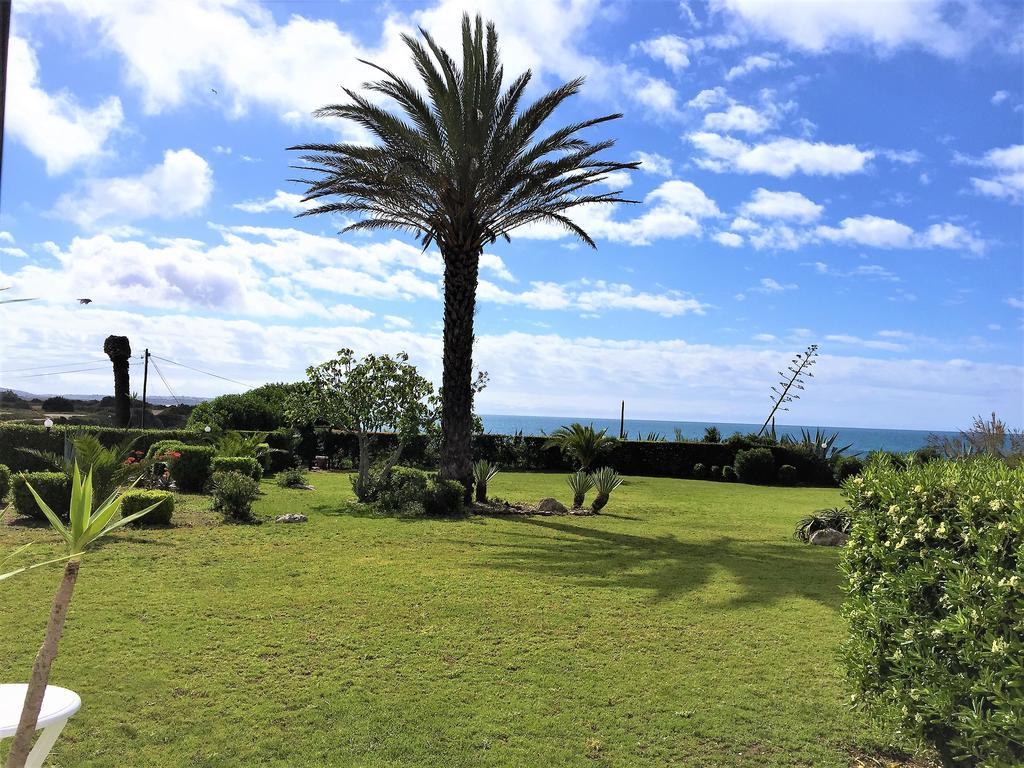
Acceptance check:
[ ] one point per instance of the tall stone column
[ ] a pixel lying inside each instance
(119, 351)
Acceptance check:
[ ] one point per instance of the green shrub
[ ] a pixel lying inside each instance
(788, 475)
(729, 474)
(164, 448)
(233, 495)
(716, 472)
(935, 603)
(404, 492)
(135, 500)
(5, 482)
(243, 464)
(54, 488)
(291, 478)
(443, 497)
(191, 469)
(700, 471)
(847, 466)
(755, 465)
(926, 454)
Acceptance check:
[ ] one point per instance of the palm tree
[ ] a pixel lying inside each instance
(460, 167)
(582, 442)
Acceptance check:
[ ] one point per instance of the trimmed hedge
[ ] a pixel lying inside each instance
(243, 464)
(136, 500)
(935, 603)
(191, 470)
(5, 481)
(787, 475)
(755, 465)
(54, 488)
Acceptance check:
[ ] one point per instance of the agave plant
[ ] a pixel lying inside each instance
(583, 443)
(24, 568)
(483, 473)
(821, 445)
(650, 437)
(581, 483)
(712, 435)
(85, 527)
(834, 518)
(606, 480)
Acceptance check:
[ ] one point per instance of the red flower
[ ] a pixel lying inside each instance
(129, 460)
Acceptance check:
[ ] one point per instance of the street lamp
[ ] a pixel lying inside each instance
(48, 423)
(207, 429)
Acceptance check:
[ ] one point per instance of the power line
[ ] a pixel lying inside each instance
(61, 373)
(197, 370)
(55, 365)
(161, 375)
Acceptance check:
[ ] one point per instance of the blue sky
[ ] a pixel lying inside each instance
(846, 174)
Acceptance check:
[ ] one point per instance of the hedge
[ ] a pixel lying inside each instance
(191, 470)
(935, 604)
(54, 488)
(5, 482)
(243, 464)
(136, 500)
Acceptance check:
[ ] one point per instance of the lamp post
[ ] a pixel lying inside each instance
(48, 423)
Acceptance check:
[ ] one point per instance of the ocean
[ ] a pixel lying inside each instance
(861, 439)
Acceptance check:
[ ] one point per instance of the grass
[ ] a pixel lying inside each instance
(683, 627)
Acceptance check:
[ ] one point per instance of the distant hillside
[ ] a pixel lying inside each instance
(155, 399)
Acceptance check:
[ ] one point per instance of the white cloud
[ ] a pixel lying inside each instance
(281, 201)
(496, 266)
(738, 118)
(868, 271)
(758, 62)
(652, 162)
(592, 297)
(617, 180)
(902, 156)
(999, 97)
(221, 150)
(820, 27)
(54, 127)
(178, 186)
(1008, 179)
(879, 232)
(790, 206)
(780, 157)
(1015, 303)
(394, 321)
(765, 337)
(728, 239)
(856, 341)
(708, 98)
(771, 285)
(673, 50)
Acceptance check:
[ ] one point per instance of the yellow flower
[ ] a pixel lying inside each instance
(999, 645)
(995, 504)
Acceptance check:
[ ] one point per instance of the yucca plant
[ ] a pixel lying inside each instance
(483, 473)
(85, 527)
(580, 483)
(606, 480)
(582, 442)
(834, 518)
(460, 163)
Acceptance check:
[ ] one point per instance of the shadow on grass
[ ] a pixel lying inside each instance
(371, 512)
(667, 567)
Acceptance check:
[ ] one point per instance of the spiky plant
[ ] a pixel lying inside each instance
(483, 473)
(581, 483)
(792, 379)
(461, 165)
(834, 518)
(606, 480)
(85, 527)
(582, 442)
(110, 467)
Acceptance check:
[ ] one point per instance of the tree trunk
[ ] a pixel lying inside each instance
(481, 493)
(23, 738)
(119, 351)
(460, 282)
(599, 502)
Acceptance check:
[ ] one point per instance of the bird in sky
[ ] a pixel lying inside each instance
(85, 301)
(213, 90)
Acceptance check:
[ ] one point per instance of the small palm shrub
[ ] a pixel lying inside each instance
(935, 604)
(583, 443)
(483, 473)
(134, 500)
(700, 470)
(712, 435)
(233, 495)
(191, 470)
(581, 483)
(243, 464)
(291, 478)
(755, 465)
(833, 518)
(845, 467)
(788, 475)
(5, 481)
(729, 474)
(606, 480)
(54, 488)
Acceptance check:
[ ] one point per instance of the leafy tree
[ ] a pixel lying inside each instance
(463, 166)
(582, 442)
(260, 409)
(376, 394)
(58, 404)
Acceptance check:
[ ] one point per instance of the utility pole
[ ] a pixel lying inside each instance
(145, 381)
(622, 421)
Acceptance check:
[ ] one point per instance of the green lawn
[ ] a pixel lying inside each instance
(683, 627)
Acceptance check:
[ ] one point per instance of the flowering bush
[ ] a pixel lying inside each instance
(935, 602)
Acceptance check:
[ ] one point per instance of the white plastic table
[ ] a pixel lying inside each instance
(58, 705)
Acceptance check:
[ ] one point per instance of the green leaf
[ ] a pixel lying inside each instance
(54, 520)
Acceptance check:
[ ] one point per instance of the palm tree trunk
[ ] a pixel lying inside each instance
(41, 669)
(119, 351)
(460, 282)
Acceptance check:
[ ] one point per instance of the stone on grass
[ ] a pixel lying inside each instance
(551, 505)
(291, 518)
(827, 537)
